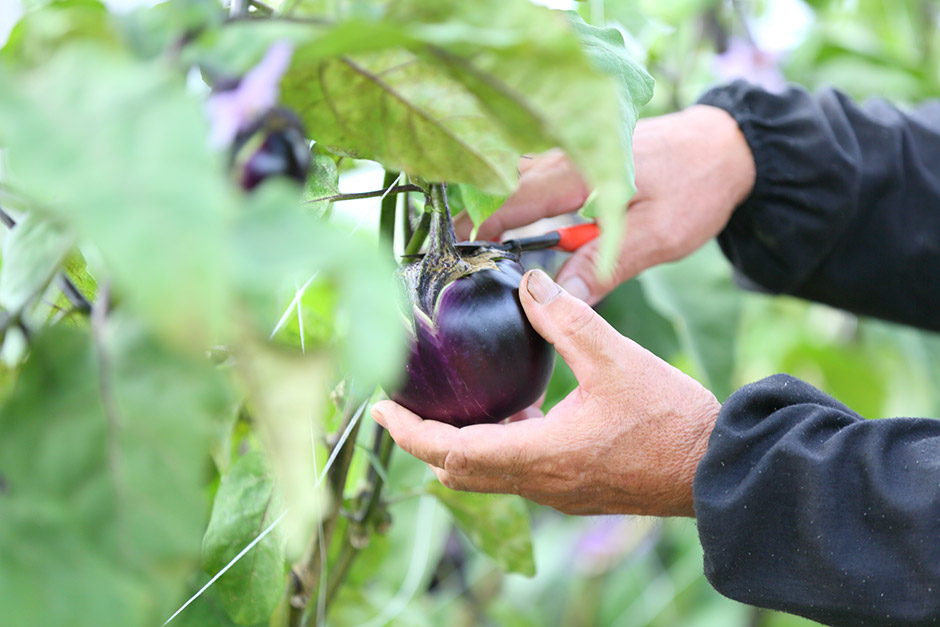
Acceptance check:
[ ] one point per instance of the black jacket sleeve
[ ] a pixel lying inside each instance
(846, 205)
(805, 507)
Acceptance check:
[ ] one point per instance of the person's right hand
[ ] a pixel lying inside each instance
(692, 169)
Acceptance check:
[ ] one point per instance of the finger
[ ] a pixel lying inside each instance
(579, 275)
(487, 449)
(483, 484)
(548, 186)
(463, 226)
(586, 342)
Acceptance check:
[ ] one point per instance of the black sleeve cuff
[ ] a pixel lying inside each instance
(804, 194)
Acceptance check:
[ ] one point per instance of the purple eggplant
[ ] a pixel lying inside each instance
(474, 356)
(273, 146)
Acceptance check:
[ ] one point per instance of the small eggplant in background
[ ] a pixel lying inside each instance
(273, 146)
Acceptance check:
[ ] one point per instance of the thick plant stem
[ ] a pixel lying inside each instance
(441, 261)
(443, 239)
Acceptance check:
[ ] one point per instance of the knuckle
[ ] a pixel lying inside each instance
(455, 461)
(668, 242)
(581, 320)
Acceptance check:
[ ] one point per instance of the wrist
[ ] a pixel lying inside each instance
(730, 148)
(687, 446)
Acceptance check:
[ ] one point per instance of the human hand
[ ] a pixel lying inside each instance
(692, 169)
(626, 440)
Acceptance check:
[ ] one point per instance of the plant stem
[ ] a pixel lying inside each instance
(442, 235)
(398, 189)
(387, 216)
(407, 215)
(420, 235)
(384, 446)
(308, 572)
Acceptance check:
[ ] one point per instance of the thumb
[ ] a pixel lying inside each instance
(586, 342)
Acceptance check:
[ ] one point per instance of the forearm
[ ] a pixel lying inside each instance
(846, 205)
(806, 507)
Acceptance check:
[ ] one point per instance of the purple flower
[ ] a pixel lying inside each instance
(237, 109)
(606, 540)
(744, 60)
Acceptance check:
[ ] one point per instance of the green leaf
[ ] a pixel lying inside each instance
(117, 151)
(699, 297)
(498, 525)
(285, 394)
(40, 34)
(322, 182)
(102, 506)
(461, 89)
(245, 505)
(478, 204)
(407, 115)
(279, 244)
(32, 254)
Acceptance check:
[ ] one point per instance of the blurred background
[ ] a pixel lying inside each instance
(629, 571)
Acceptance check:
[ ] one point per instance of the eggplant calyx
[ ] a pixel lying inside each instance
(425, 281)
(444, 262)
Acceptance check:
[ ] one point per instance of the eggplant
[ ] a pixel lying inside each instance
(474, 356)
(272, 146)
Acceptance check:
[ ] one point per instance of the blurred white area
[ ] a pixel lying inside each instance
(782, 26)
(10, 12)
(564, 5)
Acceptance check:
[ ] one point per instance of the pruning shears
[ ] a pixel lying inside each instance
(567, 239)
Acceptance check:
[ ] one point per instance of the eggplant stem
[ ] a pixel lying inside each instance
(442, 263)
(442, 235)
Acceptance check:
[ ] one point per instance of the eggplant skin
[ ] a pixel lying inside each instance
(480, 361)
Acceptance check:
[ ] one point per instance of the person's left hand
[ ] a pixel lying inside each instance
(627, 440)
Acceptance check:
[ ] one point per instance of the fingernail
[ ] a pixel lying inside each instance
(542, 288)
(378, 417)
(576, 286)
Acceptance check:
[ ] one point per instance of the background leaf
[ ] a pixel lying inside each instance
(103, 507)
(32, 254)
(698, 296)
(498, 525)
(245, 505)
(86, 134)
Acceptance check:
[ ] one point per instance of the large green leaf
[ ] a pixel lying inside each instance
(245, 505)
(41, 33)
(118, 151)
(102, 471)
(278, 243)
(456, 91)
(498, 525)
(285, 394)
